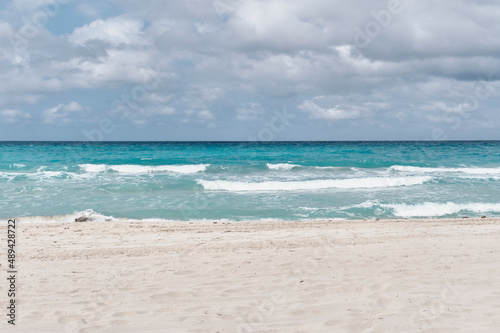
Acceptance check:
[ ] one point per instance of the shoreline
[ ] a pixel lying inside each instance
(272, 276)
(99, 218)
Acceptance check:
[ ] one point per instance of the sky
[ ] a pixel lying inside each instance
(112, 70)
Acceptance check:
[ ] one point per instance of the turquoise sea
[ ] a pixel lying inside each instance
(249, 180)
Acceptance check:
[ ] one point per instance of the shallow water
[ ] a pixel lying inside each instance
(247, 181)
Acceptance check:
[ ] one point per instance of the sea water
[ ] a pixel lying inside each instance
(249, 180)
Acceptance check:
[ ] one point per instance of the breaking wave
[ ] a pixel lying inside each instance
(141, 169)
(433, 209)
(374, 182)
(281, 166)
(484, 171)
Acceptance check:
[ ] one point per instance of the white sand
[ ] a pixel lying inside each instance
(353, 276)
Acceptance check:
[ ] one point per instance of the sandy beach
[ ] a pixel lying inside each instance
(315, 276)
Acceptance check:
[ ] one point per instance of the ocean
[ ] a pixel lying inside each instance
(248, 180)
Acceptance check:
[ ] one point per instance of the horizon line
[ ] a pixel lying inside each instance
(239, 141)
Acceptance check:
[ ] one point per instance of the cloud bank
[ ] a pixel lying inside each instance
(220, 70)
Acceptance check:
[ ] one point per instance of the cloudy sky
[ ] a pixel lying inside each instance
(249, 70)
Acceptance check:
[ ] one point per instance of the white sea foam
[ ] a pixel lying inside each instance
(17, 165)
(32, 175)
(189, 168)
(93, 168)
(318, 209)
(433, 209)
(484, 177)
(494, 171)
(48, 174)
(132, 169)
(40, 175)
(288, 166)
(374, 182)
(331, 168)
(8, 175)
(365, 204)
(87, 215)
(281, 166)
(142, 169)
(91, 216)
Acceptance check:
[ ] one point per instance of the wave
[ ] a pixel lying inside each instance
(333, 168)
(483, 171)
(87, 215)
(281, 166)
(90, 215)
(33, 175)
(142, 169)
(480, 177)
(49, 174)
(91, 169)
(374, 182)
(433, 209)
(288, 166)
(8, 175)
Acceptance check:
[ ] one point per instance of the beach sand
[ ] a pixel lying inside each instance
(314, 276)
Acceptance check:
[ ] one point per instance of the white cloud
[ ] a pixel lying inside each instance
(114, 31)
(330, 113)
(12, 115)
(205, 115)
(275, 52)
(156, 98)
(249, 112)
(61, 112)
(25, 99)
(140, 122)
(461, 108)
(260, 24)
(158, 111)
(212, 94)
(205, 29)
(72, 107)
